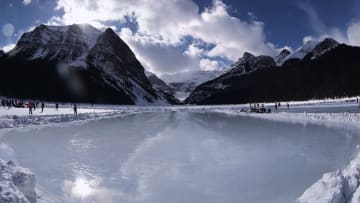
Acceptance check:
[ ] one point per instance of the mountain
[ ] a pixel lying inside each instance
(164, 89)
(313, 46)
(184, 82)
(76, 63)
(329, 69)
(280, 59)
(2, 54)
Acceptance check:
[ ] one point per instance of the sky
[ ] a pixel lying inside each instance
(172, 36)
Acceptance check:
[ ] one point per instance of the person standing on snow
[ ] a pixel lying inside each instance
(75, 110)
(30, 106)
(42, 107)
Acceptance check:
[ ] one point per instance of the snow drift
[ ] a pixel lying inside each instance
(17, 185)
(340, 186)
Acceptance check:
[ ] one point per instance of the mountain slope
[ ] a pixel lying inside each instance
(76, 63)
(332, 73)
(164, 89)
(185, 82)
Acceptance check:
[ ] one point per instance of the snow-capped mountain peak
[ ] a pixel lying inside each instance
(301, 52)
(249, 63)
(108, 67)
(314, 47)
(279, 59)
(323, 47)
(68, 44)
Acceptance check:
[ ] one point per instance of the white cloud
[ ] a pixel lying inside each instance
(231, 36)
(209, 65)
(316, 23)
(162, 26)
(8, 47)
(349, 36)
(158, 57)
(194, 50)
(26, 2)
(353, 34)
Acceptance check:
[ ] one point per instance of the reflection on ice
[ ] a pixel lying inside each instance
(180, 157)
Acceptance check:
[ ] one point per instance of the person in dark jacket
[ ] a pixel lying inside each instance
(42, 107)
(75, 110)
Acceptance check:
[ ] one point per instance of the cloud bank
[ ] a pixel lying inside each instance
(165, 33)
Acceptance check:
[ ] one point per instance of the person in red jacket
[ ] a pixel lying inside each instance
(30, 106)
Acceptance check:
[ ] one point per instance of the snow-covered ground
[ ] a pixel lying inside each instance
(186, 153)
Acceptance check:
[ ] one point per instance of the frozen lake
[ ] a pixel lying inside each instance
(178, 157)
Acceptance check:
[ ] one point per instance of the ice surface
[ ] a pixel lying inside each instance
(182, 154)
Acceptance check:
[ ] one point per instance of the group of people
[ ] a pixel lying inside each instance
(31, 105)
(278, 105)
(257, 108)
(12, 103)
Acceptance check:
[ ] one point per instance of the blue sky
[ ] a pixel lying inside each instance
(170, 36)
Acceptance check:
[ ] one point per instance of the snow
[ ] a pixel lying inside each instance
(17, 185)
(340, 186)
(19, 117)
(187, 81)
(91, 34)
(53, 34)
(196, 77)
(301, 52)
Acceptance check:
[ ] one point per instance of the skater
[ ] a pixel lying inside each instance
(75, 110)
(288, 106)
(56, 106)
(30, 106)
(276, 106)
(42, 107)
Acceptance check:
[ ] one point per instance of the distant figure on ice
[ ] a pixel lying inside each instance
(75, 110)
(42, 107)
(357, 99)
(56, 106)
(30, 106)
(276, 106)
(288, 105)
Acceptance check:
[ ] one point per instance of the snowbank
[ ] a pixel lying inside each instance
(17, 185)
(12, 121)
(340, 120)
(336, 187)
